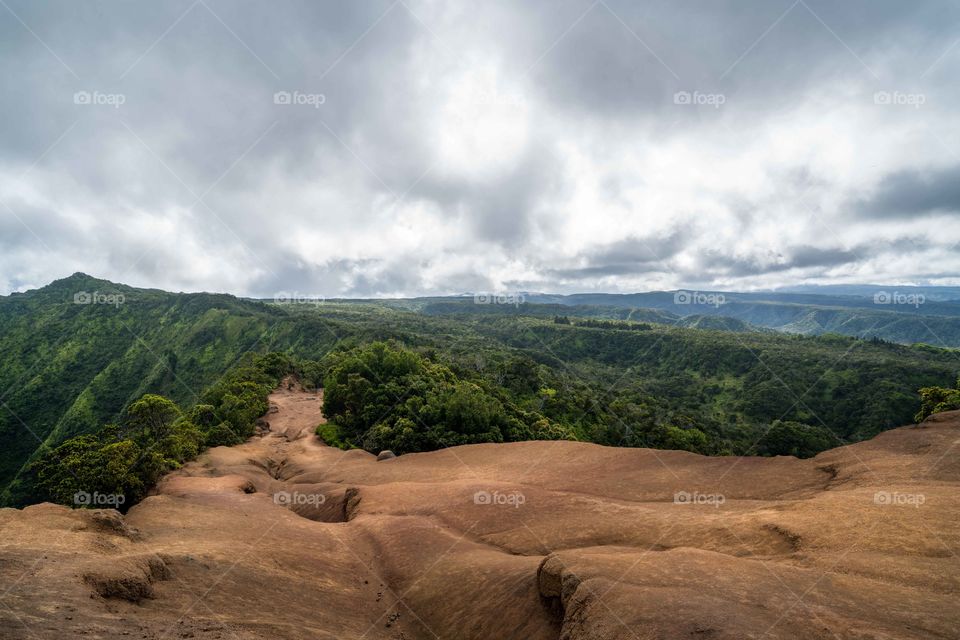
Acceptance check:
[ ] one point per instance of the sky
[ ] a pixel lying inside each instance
(415, 147)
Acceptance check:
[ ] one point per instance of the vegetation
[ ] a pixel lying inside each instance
(69, 369)
(385, 397)
(937, 399)
(795, 439)
(120, 460)
(155, 437)
(117, 395)
(933, 316)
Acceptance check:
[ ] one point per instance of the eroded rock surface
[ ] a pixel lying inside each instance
(283, 537)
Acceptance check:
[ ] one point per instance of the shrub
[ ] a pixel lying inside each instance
(330, 434)
(221, 435)
(937, 399)
(785, 438)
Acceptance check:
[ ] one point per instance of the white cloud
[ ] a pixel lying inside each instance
(466, 146)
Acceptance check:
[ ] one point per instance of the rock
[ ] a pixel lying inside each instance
(386, 455)
(110, 522)
(351, 502)
(129, 578)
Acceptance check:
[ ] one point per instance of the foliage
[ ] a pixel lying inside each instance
(609, 324)
(151, 417)
(329, 433)
(68, 369)
(447, 372)
(155, 437)
(795, 439)
(106, 464)
(937, 399)
(383, 396)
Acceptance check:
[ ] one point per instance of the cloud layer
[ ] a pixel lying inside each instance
(414, 147)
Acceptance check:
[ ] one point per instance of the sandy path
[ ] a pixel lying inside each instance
(295, 413)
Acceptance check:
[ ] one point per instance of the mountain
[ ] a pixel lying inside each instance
(717, 323)
(907, 315)
(931, 293)
(76, 352)
(897, 314)
(79, 351)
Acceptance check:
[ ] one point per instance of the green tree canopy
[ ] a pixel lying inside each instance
(151, 416)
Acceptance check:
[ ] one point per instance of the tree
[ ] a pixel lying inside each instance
(204, 416)
(685, 439)
(151, 417)
(243, 406)
(183, 443)
(221, 436)
(785, 438)
(937, 399)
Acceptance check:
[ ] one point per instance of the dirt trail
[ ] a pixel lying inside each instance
(284, 537)
(295, 413)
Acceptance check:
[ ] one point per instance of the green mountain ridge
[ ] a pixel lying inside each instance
(613, 375)
(69, 366)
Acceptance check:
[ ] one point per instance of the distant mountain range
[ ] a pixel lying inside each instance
(932, 293)
(906, 315)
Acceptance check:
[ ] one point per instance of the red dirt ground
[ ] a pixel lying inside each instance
(284, 537)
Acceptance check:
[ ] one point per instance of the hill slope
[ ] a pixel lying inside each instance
(70, 365)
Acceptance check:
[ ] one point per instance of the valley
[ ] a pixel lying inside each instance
(612, 376)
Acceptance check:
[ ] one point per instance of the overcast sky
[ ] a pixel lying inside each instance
(373, 147)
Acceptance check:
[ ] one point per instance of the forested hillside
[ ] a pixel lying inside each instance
(905, 314)
(469, 373)
(71, 366)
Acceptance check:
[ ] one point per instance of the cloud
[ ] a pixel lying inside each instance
(911, 193)
(629, 256)
(802, 257)
(436, 147)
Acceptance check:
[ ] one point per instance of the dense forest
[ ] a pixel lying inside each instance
(142, 386)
